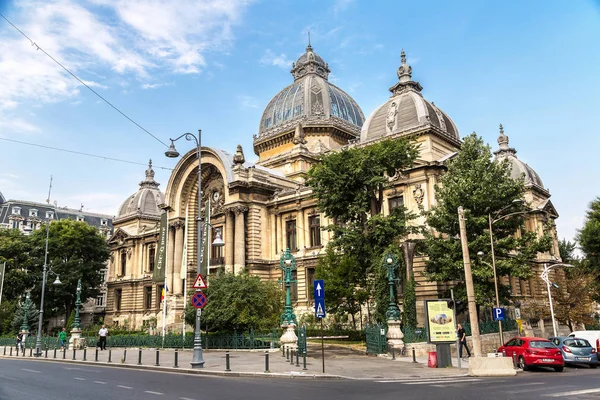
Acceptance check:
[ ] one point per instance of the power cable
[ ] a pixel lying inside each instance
(82, 82)
(81, 153)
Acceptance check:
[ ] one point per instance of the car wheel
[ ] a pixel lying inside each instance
(559, 369)
(594, 366)
(522, 364)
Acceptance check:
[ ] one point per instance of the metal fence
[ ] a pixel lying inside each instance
(249, 341)
(375, 338)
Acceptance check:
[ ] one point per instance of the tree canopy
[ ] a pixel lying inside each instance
(482, 187)
(589, 235)
(349, 188)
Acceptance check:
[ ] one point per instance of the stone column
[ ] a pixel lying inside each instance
(229, 244)
(281, 238)
(170, 259)
(240, 240)
(300, 230)
(177, 281)
(273, 244)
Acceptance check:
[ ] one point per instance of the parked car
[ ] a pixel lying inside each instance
(591, 336)
(533, 352)
(576, 351)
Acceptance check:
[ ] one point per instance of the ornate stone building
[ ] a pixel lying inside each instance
(262, 208)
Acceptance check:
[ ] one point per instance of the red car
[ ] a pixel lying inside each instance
(533, 352)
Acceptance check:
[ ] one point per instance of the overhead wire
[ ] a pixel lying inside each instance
(82, 82)
(82, 153)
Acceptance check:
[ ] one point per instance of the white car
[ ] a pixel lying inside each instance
(591, 336)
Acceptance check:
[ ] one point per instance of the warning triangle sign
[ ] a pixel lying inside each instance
(199, 283)
(319, 309)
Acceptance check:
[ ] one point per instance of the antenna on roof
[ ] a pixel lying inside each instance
(49, 190)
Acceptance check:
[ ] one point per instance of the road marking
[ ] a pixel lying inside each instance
(30, 370)
(432, 382)
(81, 379)
(124, 387)
(10, 378)
(151, 392)
(185, 398)
(573, 393)
(515, 385)
(100, 382)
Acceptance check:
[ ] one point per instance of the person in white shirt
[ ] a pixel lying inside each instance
(102, 337)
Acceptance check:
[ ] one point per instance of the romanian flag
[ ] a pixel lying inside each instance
(162, 293)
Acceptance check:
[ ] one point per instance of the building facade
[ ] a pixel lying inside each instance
(262, 208)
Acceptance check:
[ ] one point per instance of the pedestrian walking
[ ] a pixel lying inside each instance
(19, 341)
(102, 337)
(462, 339)
(62, 338)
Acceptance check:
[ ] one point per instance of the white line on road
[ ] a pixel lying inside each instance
(81, 379)
(30, 370)
(185, 398)
(124, 387)
(432, 382)
(100, 382)
(573, 393)
(151, 392)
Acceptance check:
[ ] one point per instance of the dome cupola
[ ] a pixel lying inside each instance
(407, 111)
(144, 202)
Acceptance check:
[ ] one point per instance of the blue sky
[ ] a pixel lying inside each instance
(180, 66)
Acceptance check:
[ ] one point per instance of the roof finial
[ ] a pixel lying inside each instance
(403, 57)
(503, 143)
(309, 47)
(501, 130)
(149, 177)
(405, 70)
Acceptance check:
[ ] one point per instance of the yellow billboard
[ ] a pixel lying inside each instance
(440, 322)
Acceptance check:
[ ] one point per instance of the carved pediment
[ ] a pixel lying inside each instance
(549, 208)
(118, 237)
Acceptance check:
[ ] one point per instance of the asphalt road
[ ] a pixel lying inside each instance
(35, 380)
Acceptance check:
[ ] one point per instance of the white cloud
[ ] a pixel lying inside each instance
(12, 124)
(281, 60)
(130, 38)
(152, 85)
(341, 5)
(247, 102)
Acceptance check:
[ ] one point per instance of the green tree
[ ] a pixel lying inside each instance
(15, 248)
(7, 315)
(409, 317)
(566, 249)
(588, 237)
(239, 302)
(481, 186)
(574, 298)
(32, 317)
(349, 187)
(76, 250)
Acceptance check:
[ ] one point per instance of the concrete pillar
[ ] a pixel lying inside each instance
(281, 233)
(177, 281)
(170, 258)
(273, 244)
(229, 244)
(301, 230)
(240, 240)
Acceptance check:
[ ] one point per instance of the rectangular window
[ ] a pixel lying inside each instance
(100, 301)
(123, 263)
(15, 224)
(118, 294)
(49, 215)
(151, 258)
(147, 297)
(310, 282)
(290, 234)
(314, 223)
(396, 202)
(80, 218)
(103, 222)
(33, 213)
(16, 210)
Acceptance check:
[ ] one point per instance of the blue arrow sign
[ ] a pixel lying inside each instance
(319, 289)
(320, 308)
(498, 314)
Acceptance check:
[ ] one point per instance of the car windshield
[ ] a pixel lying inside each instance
(538, 344)
(577, 343)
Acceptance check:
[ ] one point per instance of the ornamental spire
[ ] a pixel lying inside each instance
(503, 143)
(149, 181)
(405, 77)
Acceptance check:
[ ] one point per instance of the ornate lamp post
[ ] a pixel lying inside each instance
(75, 341)
(25, 324)
(394, 333)
(288, 320)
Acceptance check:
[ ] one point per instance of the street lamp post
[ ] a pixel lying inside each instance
(394, 333)
(197, 359)
(288, 320)
(546, 278)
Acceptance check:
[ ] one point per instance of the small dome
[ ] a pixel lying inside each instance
(310, 98)
(406, 110)
(146, 200)
(518, 168)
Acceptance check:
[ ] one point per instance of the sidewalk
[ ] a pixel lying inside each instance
(340, 363)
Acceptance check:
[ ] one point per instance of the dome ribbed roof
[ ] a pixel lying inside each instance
(518, 168)
(310, 98)
(406, 110)
(146, 200)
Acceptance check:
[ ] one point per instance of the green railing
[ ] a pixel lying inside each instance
(375, 338)
(492, 326)
(241, 341)
(414, 335)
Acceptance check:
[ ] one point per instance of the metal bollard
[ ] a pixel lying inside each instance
(65, 353)
(124, 355)
(297, 360)
(55, 352)
(227, 362)
(514, 358)
(95, 359)
(139, 357)
(109, 355)
(282, 351)
(267, 361)
(85, 354)
(304, 361)
(414, 355)
(287, 353)
(74, 353)
(46, 352)
(31, 352)
(10, 351)
(176, 359)
(4, 350)
(157, 358)
(292, 357)
(393, 353)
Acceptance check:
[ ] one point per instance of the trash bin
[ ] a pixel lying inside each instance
(432, 359)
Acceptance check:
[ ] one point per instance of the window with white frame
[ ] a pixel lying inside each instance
(103, 222)
(100, 300)
(80, 218)
(16, 210)
(49, 215)
(33, 213)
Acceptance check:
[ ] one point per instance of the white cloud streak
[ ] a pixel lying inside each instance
(281, 60)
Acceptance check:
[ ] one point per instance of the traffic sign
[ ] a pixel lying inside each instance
(199, 300)
(199, 283)
(517, 313)
(319, 289)
(498, 314)
(320, 308)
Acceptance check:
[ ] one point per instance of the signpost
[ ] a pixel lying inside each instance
(199, 300)
(199, 283)
(499, 314)
(319, 294)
